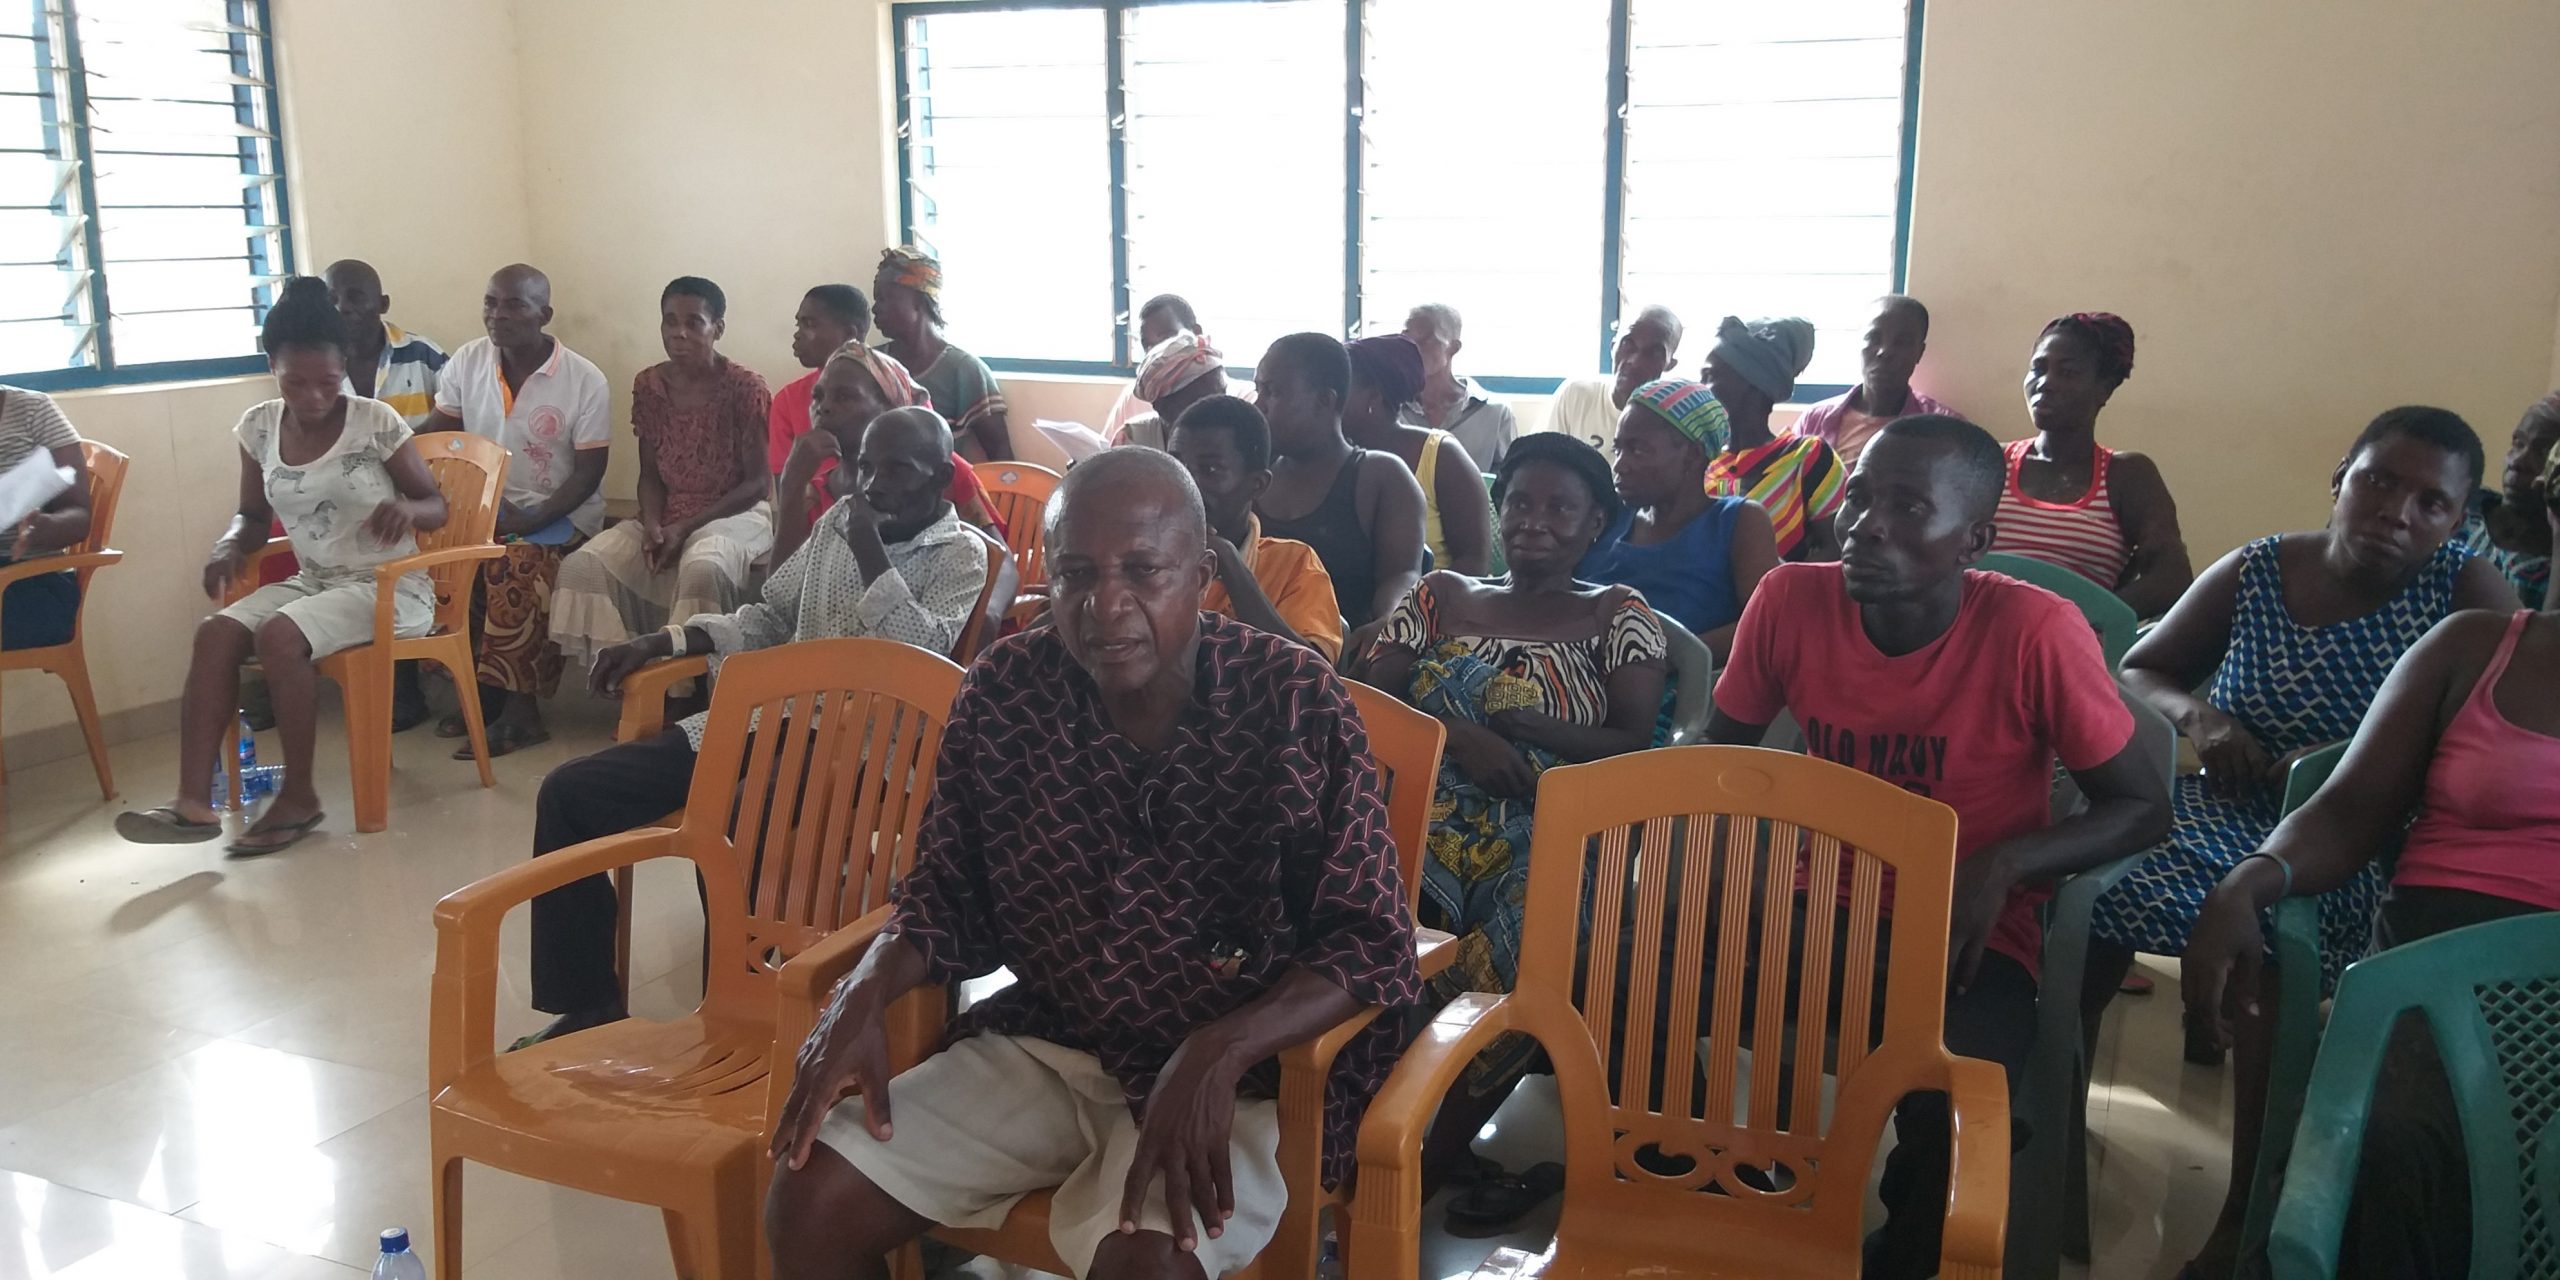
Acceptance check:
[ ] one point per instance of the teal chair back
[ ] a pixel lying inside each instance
(2491, 997)
(2111, 618)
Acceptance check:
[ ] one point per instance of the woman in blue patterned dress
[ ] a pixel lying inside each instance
(2303, 628)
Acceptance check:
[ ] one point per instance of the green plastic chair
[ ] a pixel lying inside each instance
(2112, 618)
(2491, 996)
(2297, 1031)
(1693, 699)
(2048, 1183)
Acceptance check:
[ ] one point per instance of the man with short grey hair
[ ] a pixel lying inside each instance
(1451, 403)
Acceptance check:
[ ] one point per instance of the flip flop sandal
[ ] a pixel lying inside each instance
(2137, 984)
(1491, 1207)
(293, 834)
(452, 726)
(163, 825)
(506, 739)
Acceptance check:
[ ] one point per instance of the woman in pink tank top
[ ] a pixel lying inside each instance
(2103, 514)
(2467, 733)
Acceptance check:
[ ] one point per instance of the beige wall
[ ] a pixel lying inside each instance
(2310, 211)
(372, 164)
(743, 144)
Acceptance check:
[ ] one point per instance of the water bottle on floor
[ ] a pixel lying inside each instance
(396, 1262)
(255, 783)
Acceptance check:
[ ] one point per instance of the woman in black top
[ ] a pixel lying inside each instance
(1360, 509)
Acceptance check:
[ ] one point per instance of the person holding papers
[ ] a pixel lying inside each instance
(40, 611)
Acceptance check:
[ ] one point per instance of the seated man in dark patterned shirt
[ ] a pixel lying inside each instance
(1168, 826)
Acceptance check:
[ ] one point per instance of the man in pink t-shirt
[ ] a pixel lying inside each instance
(1965, 687)
(1897, 336)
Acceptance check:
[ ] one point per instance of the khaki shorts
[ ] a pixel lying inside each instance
(991, 1118)
(339, 617)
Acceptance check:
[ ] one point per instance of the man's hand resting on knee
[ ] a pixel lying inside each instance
(1183, 1138)
(848, 1052)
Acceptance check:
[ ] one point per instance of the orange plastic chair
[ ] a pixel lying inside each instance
(1685, 849)
(644, 709)
(1406, 745)
(70, 659)
(1020, 492)
(797, 836)
(471, 471)
(1003, 581)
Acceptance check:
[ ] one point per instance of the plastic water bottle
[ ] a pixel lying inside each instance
(396, 1262)
(255, 783)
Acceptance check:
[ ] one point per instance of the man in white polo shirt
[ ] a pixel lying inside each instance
(551, 408)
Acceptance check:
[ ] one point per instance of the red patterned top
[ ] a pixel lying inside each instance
(697, 448)
(1112, 881)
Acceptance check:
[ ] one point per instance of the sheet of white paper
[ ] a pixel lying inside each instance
(26, 487)
(1074, 439)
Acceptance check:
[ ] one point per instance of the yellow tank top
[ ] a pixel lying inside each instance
(1432, 537)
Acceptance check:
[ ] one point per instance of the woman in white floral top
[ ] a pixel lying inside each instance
(341, 473)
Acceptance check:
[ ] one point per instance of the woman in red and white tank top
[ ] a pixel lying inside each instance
(2102, 514)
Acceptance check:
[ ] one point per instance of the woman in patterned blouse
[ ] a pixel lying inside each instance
(1528, 670)
(704, 522)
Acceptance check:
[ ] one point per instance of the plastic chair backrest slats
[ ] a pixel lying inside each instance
(1020, 492)
(106, 491)
(2110, 617)
(1682, 864)
(470, 471)
(817, 806)
(1822, 885)
(1406, 745)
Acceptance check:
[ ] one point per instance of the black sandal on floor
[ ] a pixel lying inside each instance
(1493, 1205)
(164, 825)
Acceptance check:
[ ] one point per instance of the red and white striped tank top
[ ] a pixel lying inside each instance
(2081, 536)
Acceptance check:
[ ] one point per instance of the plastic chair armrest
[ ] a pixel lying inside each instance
(2328, 1146)
(644, 694)
(462, 1013)
(387, 575)
(1391, 1132)
(807, 981)
(1433, 951)
(1384, 1235)
(1978, 1185)
(2066, 947)
(1316, 1056)
(43, 565)
(2294, 1048)
(271, 547)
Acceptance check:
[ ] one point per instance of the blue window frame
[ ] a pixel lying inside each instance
(143, 230)
(1544, 165)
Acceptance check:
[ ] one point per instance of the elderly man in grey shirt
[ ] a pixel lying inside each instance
(1450, 403)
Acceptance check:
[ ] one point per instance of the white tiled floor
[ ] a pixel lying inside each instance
(216, 1068)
